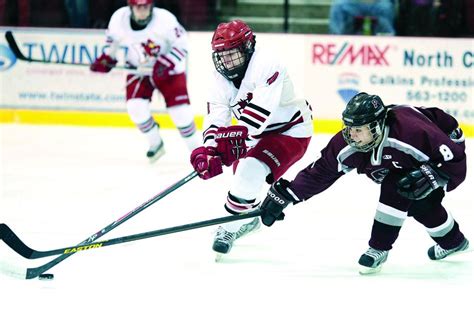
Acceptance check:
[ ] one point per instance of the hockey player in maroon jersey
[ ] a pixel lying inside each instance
(274, 124)
(414, 153)
(157, 46)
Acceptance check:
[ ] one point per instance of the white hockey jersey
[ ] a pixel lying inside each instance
(164, 33)
(266, 102)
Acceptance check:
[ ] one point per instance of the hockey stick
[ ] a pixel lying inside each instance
(19, 55)
(31, 273)
(15, 243)
(144, 235)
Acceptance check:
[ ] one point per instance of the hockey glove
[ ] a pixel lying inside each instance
(206, 162)
(231, 143)
(278, 198)
(103, 64)
(162, 68)
(421, 182)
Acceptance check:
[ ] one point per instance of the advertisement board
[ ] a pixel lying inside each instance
(414, 71)
(327, 70)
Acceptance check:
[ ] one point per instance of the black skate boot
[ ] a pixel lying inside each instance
(371, 261)
(155, 152)
(224, 240)
(436, 252)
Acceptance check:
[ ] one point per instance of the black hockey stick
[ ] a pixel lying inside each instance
(19, 55)
(31, 273)
(14, 242)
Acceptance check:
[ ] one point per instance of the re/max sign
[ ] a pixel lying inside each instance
(333, 54)
(81, 248)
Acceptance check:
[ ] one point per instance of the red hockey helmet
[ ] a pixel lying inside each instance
(138, 15)
(233, 44)
(139, 2)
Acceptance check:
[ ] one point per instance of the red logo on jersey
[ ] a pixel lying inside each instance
(239, 107)
(273, 78)
(243, 102)
(151, 49)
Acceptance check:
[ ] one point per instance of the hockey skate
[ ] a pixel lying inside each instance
(155, 152)
(224, 240)
(372, 260)
(436, 252)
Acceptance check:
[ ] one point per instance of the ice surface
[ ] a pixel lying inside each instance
(61, 184)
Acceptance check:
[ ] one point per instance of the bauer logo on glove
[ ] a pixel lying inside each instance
(231, 143)
(230, 134)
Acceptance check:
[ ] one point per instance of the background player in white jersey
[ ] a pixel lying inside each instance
(157, 46)
(273, 131)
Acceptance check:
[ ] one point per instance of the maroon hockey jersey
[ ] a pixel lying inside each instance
(412, 136)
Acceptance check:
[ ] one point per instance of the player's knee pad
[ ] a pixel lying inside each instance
(181, 115)
(183, 118)
(246, 186)
(139, 110)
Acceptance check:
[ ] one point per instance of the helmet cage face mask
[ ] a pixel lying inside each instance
(233, 63)
(233, 44)
(364, 110)
(136, 3)
(376, 130)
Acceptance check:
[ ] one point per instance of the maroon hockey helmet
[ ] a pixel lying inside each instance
(233, 44)
(364, 110)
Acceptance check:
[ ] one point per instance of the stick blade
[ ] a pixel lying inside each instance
(14, 46)
(14, 242)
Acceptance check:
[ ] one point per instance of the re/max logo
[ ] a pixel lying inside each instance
(69, 53)
(367, 55)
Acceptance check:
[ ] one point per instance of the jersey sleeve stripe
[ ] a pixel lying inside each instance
(210, 133)
(296, 119)
(172, 53)
(249, 122)
(254, 115)
(258, 109)
(167, 59)
(179, 52)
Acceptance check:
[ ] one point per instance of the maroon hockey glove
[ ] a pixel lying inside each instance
(162, 68)
(418, 184)
(278, 198)
(206, 162)
(103, 64)
(231, 143)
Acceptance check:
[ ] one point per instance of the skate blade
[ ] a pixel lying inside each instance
(157, 156)
(369, 271)
(219, 257)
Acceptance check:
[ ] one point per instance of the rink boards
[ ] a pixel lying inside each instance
(326, 69)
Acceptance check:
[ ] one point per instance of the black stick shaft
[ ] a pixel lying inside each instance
(155, 233)
(12, 43)
(21, 248)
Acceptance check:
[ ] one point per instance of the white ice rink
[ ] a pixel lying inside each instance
(60, 185)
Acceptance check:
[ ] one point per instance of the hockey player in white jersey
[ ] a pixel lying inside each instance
(273, 130)
(157, 46)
